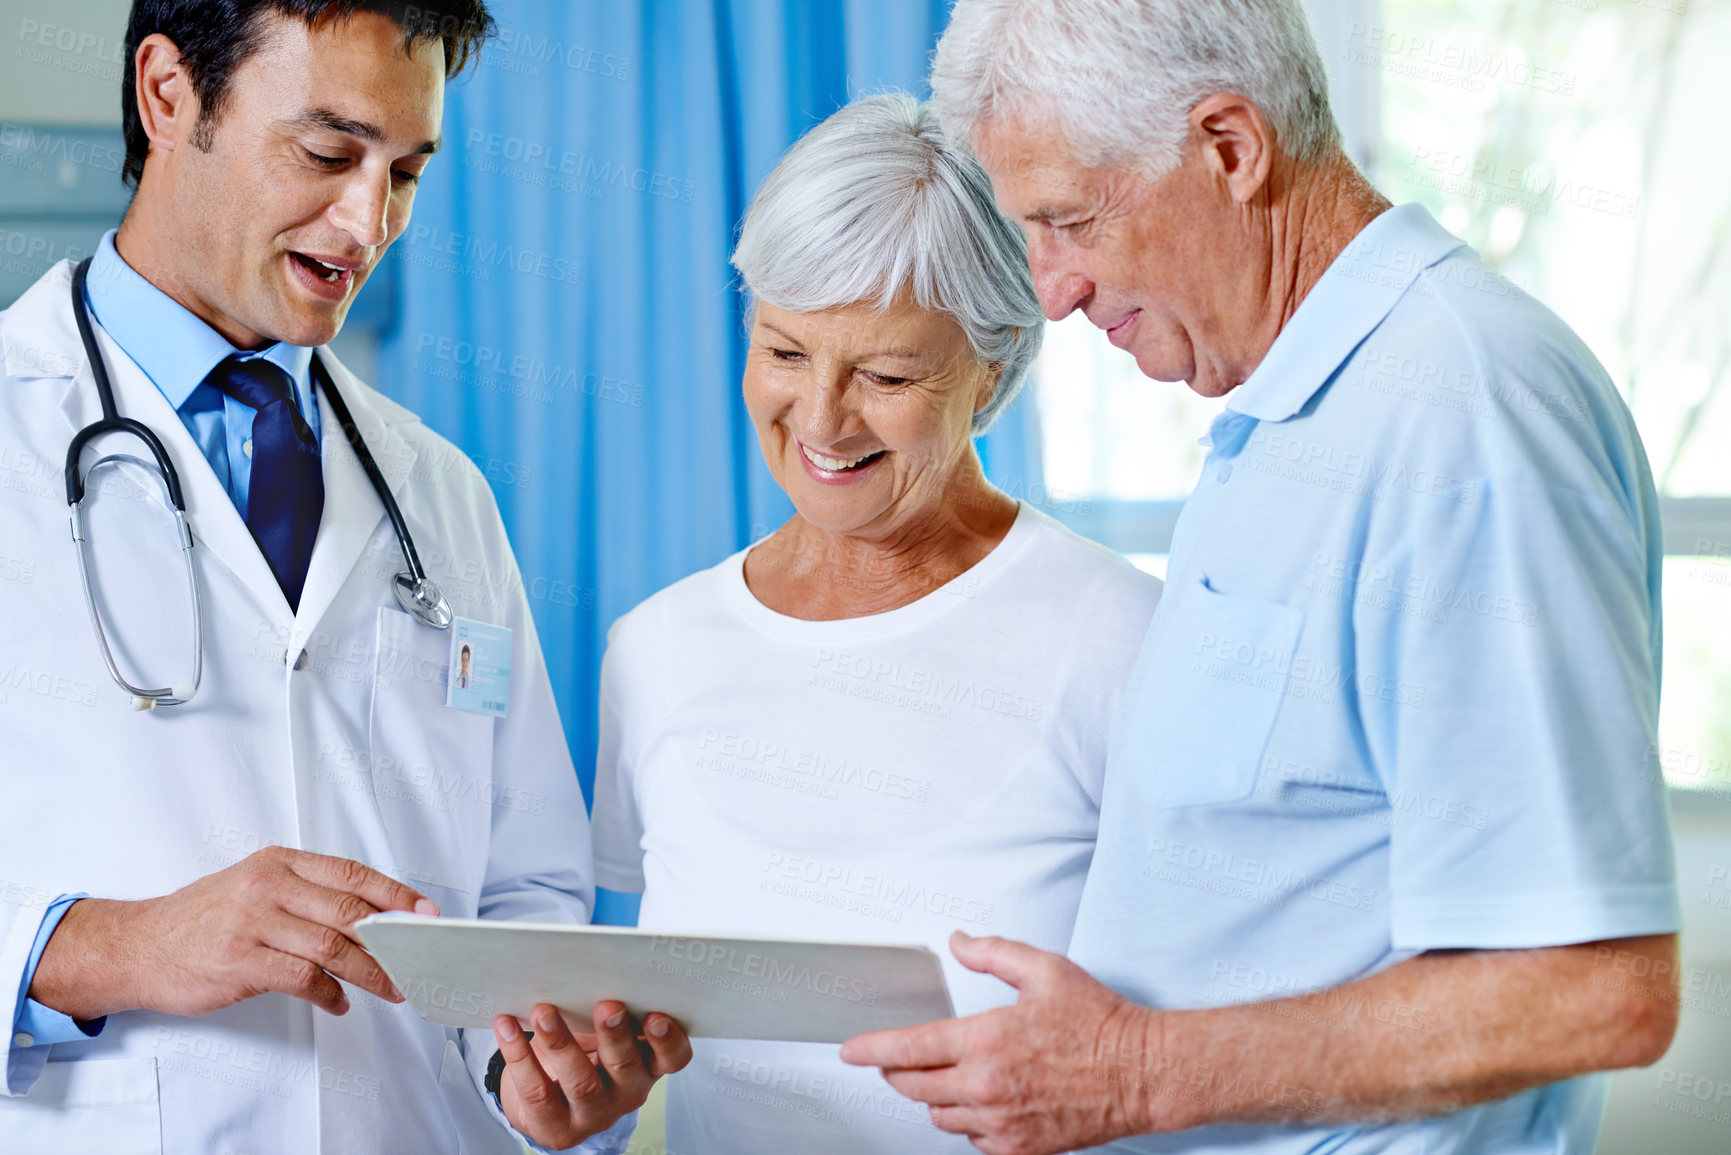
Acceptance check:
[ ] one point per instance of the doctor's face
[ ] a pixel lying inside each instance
(304, 179)
(864, 415)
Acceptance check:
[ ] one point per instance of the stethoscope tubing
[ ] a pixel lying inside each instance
(418, 594)
(112, 421)
(380, 486)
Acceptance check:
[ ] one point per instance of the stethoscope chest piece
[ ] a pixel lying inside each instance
(424, 599)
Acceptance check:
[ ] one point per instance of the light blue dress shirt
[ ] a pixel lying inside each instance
(176, 351)
(1403, 688)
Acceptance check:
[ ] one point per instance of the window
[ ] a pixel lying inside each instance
(1564, 140)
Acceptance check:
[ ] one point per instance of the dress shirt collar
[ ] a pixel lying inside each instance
(173, 346)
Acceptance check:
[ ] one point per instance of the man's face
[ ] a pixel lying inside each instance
(1145, 260)
(309, 176)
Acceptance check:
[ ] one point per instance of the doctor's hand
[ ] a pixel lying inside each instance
(560, 1088)
(278, 920)
(1054, 1072)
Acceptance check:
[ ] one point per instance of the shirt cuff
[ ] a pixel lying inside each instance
(36, 1025)
(616, 1140)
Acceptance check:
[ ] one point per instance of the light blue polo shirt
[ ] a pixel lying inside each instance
(1402, 691)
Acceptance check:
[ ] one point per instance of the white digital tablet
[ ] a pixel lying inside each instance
(462, 972)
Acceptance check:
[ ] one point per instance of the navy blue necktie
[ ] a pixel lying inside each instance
(287, 494)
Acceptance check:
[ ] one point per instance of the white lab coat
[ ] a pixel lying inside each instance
(351, 752)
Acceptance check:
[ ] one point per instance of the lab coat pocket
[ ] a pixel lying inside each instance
(86, 1107)
(432, 766)
(465, 1102)
(1205, 696)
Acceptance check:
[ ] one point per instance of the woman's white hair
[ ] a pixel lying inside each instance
(1121, 76)
(872, 203)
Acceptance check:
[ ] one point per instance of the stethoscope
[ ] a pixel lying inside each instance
(415, 590)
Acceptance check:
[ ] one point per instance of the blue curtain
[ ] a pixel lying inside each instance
(562, 307)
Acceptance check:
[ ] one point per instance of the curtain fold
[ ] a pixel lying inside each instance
(564, 310)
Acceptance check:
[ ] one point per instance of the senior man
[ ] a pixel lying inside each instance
(1382, 825)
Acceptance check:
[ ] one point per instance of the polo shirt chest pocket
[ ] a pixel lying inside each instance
(1205, 695)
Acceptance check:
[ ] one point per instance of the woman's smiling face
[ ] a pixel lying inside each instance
(865, 414)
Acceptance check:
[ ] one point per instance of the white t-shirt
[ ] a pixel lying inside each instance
(884, 778)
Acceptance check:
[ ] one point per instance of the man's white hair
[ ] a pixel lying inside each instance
(1121, 76)
(872, 203)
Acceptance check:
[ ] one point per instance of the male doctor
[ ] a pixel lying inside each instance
(176, 955)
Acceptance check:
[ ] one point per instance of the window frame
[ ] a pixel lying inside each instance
(1131, 526)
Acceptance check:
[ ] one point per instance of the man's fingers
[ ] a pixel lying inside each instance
(1016, 963)
(538, 1096)
(561, 1057)
(355, 878)
(941, 1087)
(669, 1045)
(961, 1121)
(337, 909)
(293, 975)
(936, 1044)
(331, 949)
(616, 1045)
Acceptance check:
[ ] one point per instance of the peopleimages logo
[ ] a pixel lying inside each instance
(34, 252)
(34, 146)
(776, 973)
(449, 998)
(522, 51)
(538, 156)
(446, 251)
(534, 372)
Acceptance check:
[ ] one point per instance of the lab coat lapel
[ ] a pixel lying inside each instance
(41, 340)
(353, 510)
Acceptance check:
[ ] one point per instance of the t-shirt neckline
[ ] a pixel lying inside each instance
(947, 597)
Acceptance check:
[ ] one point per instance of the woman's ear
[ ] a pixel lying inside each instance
(988, 387)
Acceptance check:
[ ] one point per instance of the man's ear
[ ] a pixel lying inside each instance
(168, 110)
(1236, 144)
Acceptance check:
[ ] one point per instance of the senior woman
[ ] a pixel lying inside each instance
(886, 721)
(1383, 834)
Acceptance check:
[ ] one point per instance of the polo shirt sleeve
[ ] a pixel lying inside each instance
(1518, 746)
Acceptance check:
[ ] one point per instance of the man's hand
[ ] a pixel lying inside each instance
(1038, 1077)
(1073, 1065)
(278, 920)
(560, 1088)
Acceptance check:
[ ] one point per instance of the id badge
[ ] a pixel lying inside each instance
(480, 678)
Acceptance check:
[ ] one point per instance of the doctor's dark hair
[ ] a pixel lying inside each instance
(215, 37)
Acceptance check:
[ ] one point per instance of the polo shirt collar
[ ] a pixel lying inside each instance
(1350, 300)
(173, 347)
